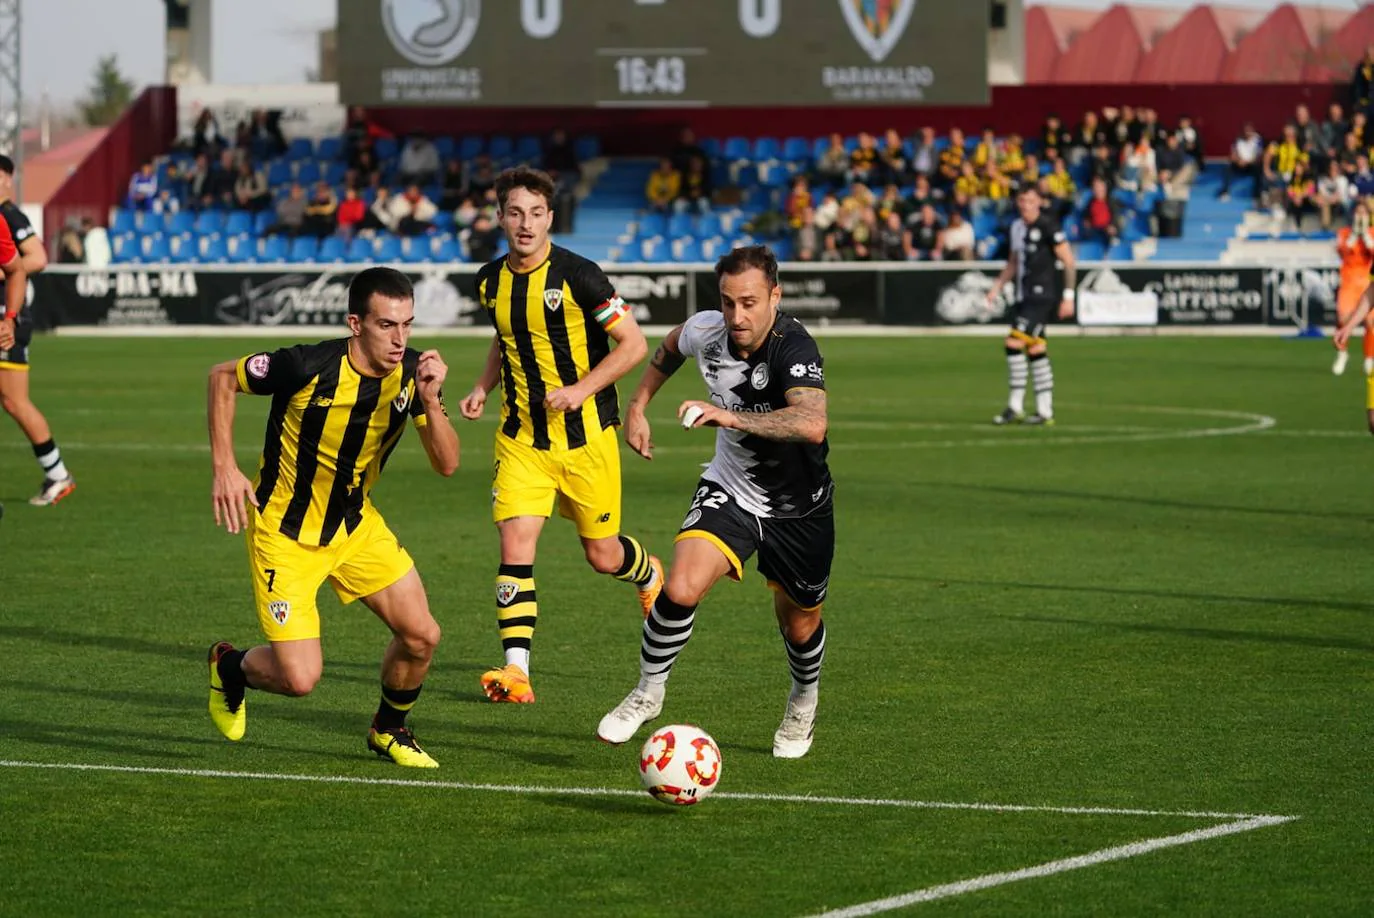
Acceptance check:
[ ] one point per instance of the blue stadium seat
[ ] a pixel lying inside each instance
(122, 221)
(443, 220)
(736, 149)
(332, 249)
(330, 148)
(587, 147)
(278, 173)
(529, 149)
(300, 148)
(154, 249)
(708, 225)
(711, 147)
(214, 250)
(303, 248)
(851, 143)
(712, 248)
(652, 225)
(1091, 250)
(774, 175)
(415, 250)
(680, 225)
(308, 172)
(335, 171)
(386, 148)
(209, 222)
(180, 222)
(819, 146)
(242, 250)
(796, 149)
(501, 147)
(238, 223)
(766, 148)
(446, 146)
(688, 250)
(471, 147)
(359, 250)
(655, 251)
(1120, 252)
(183, 249)
(272, 249)
(448, 250)
(782, 248)
(388, 249)
(262, 221)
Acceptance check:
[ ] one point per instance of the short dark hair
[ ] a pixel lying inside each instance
(6, 165)
(387, 282)
(535, 181)
(741, 259)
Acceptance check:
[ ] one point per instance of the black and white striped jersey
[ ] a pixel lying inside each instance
(1037, 271)
(768, 478)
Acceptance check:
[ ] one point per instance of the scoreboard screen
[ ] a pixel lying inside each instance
(646, 53)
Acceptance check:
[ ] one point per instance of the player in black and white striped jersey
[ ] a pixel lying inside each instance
(1039, 253)
(767, 490)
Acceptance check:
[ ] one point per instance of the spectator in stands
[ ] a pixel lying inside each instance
(165, 202)
(1171, 163)
(205, 135)
(862, 234)
(968, 183)
(197, 194)
(466, 214)
(687, 147)
(1331, 135)
(419, 163)
(663, 186)
(925, 235)
(863, 160)
(797, 208)
(290, 212)
(831, 251)
(996, 189)
(560, 161)
(1308, 134)
(143, 188)
(925, 159)
(1028, 174)
(987, 151)
(455, 185)
(695, 191)
(1362, 83)
(1053, 136)
(1012, 159)
(1100, 215)
(71, 246)
(1281, 160)
(892, 242)
(1138, 167)
(806, 240)
(957, 241)
(1359, 121)
(96, 243)
(360, 133)
(264, 134)
(1086, 137)
(367, 172)
(482, 178)
(828, 212)
(413, 211)
(219, 188)
(1300, 192)
(1061, 189)
(250, 188)
(890, 202)
(320, 213)
(1333, 194)
(1363, 180)
(483, 239)
(892, 157)
(833, 165)
(951, 162)
(1150, 129)
(1190, 142)
(1247, 152)
(379, 216)
(923, 193)
(1349, 155)
(351, 212)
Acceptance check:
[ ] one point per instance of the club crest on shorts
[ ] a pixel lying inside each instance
(692, 518)
(505, 592)
(553, 299)
(759, 378)
(280, 610)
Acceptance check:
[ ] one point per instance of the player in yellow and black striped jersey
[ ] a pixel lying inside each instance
(555, 314)
(338, 410)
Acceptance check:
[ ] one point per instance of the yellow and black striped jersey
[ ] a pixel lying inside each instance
(330, 431)
(551, 322)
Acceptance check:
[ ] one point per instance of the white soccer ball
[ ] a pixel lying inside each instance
(679, 764)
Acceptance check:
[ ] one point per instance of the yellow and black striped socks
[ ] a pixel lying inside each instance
(516, 611)
(635, 568)
(396, 704)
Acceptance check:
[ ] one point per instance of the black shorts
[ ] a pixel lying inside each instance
(17, 357)
(795, 553)
(1030, 318)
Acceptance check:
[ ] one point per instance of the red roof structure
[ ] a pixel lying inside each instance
(1050, 30)
(1112, 49)
(1283, 45)
(1335, 59)
(1196, 49)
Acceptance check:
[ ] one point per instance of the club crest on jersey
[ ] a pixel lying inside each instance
(759, 378)
(402, 401)
(280, 610)
(1035, 234)
(692, 518)
(256, 366)
(505, 592)
(553, 299)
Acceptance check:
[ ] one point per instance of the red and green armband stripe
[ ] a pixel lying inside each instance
(611, 312)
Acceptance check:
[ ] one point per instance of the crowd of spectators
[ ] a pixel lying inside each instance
(891, 197)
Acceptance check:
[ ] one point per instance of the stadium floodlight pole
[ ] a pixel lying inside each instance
(11, 94)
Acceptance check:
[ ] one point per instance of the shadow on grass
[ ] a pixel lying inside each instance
(1216, 634)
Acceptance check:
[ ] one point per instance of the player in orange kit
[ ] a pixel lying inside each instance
(1355, 245)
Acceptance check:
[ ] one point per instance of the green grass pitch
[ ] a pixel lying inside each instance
(1163, 604)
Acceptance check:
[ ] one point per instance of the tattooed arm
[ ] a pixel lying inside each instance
(802, 421)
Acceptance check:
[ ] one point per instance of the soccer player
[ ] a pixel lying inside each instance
(1355, 246)
(14, 356)
(1038, 245)
(767, 489)
(555, 315)
(1342, 340)
(338, 410)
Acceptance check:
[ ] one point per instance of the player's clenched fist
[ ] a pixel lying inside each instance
(430, 375)
(471, 406)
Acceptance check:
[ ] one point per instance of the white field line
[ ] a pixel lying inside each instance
(1091, 859)
(623, 792)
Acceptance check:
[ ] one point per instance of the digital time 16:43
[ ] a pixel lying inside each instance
(655, 76)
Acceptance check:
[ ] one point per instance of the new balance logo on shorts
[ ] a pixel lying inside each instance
(505, 592)
(604, 518)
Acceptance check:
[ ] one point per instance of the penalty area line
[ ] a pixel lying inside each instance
(623, 792)
(1050, 868)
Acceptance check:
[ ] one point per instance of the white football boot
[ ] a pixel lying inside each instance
(625, 718)
(793, 739)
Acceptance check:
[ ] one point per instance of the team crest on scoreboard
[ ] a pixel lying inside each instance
(877, 25)
(430, 34)
(553, 299)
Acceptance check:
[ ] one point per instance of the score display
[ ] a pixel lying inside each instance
(642, 53)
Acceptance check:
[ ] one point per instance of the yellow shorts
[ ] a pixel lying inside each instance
(585, 482)
(287, 575)
(1369, 393)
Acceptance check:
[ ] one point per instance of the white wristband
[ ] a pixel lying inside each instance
(1069, 295)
